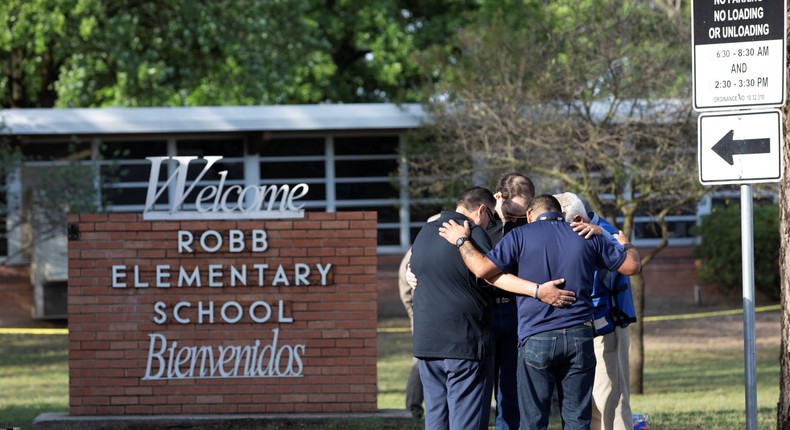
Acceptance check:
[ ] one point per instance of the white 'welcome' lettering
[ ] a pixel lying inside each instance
(216, 201)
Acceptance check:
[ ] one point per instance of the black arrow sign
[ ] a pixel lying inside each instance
(727, 147)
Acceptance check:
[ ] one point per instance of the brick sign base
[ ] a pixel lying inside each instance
(222, 317)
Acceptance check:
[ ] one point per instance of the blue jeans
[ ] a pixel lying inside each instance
(457, 393)
(506, 358)
(564, 358)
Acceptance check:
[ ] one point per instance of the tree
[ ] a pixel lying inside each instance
(720, 254)
(584, 96)
(783, 408)
(90, 53)
(50, 192)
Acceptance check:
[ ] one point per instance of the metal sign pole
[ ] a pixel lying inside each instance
(727, 57)
(749, 355)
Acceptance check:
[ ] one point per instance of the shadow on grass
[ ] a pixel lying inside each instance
(394, 345)
(292, 423)
(711, 420)
(23, 416)
(707, 372)
(393, 390)
(22, 350)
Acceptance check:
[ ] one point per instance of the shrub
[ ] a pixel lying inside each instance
(720, 248)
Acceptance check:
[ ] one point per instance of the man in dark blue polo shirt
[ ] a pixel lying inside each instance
(555, 344)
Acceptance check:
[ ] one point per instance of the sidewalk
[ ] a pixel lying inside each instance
(383, 419)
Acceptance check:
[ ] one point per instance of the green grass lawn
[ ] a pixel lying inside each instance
(705, 389)
(34, 377)
(690, 387)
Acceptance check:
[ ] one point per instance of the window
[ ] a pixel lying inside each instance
(365, 168)
(56, 151)
(294, 160)
(350, 172)
(125, 171)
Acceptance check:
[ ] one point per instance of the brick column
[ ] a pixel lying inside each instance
(279, 317)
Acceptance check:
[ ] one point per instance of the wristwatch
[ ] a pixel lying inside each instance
(460, 241)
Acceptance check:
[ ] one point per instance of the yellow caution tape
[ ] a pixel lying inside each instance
(393, 330)
(34, 331)
(61, 331)
(709, 314)
(645, 319)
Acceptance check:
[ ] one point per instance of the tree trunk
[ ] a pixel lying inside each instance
(783, 409)
(636, 354)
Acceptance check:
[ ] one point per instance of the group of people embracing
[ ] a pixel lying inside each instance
(526, 298)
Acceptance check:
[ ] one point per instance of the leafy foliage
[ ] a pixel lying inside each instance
(587, 96)
(720, 248)
(582, 96)
(89, 53)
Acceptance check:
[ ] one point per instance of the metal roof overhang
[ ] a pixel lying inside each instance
(363, 116)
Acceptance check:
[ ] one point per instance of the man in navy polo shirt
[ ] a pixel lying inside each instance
(555, 344)
(613, 310)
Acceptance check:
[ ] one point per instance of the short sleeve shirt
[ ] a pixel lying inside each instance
(452, 308)
(547, 249)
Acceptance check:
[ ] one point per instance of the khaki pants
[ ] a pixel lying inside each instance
(611, 405)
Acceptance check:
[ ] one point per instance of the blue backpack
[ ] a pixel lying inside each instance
(613, 304)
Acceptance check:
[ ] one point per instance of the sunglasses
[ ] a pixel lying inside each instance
(491, 219)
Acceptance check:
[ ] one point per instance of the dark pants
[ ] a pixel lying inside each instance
(414, 395)
(457, 393)
(505, 363)
(565, 359)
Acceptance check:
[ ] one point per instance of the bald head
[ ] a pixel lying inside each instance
(544, 203)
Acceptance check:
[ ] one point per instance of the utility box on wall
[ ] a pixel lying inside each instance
(49, 276)
(222, 317)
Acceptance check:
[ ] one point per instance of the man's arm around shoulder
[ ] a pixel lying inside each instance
(474, 259)
(632, 265)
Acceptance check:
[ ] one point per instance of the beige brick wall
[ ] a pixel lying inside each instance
(120, 336)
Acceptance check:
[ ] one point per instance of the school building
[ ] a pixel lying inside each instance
(348, 154)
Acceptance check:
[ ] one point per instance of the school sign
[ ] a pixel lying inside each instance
(235, 308)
